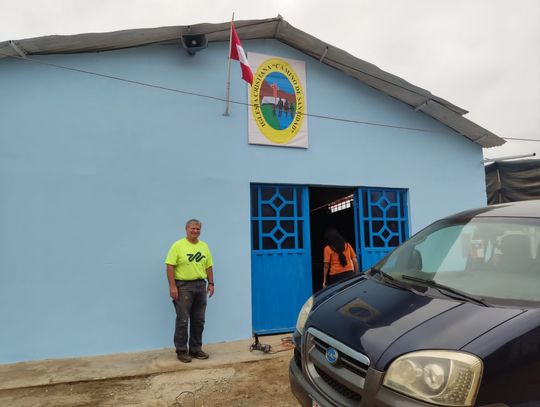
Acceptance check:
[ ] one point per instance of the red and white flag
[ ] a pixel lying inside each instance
(238, 54)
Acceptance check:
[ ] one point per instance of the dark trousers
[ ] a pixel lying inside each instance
(336, 278)
(190, 309)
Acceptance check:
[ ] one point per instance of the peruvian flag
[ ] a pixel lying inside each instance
(237, 53)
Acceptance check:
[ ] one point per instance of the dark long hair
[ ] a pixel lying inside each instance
(337, 244)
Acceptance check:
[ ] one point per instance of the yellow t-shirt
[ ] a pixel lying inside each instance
(190, 260)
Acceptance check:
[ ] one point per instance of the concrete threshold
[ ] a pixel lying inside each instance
(121, 365)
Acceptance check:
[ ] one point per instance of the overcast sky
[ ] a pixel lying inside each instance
(482, 55)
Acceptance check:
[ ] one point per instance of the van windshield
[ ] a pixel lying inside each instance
(490, 258)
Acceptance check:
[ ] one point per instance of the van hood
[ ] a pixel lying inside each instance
(384, 322)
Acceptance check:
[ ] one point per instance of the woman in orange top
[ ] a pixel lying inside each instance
(339, 259)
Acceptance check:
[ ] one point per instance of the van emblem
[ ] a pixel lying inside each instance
(332, 356)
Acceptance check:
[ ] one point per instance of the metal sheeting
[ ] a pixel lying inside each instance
(509, 181)
(273, 28)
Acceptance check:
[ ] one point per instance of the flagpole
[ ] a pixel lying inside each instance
(226, 113)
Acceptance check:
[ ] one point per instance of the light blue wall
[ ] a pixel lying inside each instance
(98, 176)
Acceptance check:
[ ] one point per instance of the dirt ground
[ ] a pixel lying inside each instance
(261, 383)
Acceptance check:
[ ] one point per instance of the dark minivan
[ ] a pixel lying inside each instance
(449, 318)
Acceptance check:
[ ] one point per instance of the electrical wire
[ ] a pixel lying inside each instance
(178, 399)
(169, 89)
(115, 78)
(520, 139)
(285, 345)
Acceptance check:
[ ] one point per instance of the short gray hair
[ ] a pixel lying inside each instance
(193, 221)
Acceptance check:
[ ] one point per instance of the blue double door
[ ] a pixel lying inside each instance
(281, 261)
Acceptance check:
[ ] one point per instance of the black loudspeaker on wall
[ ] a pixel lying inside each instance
(193, 43)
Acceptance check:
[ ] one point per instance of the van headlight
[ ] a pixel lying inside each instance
(446, 378)
(303, 314)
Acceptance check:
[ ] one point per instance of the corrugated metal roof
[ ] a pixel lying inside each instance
(273, 28)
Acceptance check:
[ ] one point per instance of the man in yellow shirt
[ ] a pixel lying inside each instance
(189, 264)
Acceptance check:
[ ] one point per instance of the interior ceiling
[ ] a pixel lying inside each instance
(321, 196)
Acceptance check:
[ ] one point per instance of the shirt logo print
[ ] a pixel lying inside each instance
(197, 257)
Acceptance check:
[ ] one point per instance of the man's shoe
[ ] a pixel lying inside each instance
(199, 355)
(183, 357)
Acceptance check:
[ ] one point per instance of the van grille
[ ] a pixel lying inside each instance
(348, 362)
(343, 382)
(341, 389)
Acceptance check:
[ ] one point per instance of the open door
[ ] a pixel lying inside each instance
(382, 223)
(280, 256)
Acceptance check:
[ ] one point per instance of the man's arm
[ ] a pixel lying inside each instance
(210, 276)
(173, 291)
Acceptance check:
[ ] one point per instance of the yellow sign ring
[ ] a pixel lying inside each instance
(283, 67)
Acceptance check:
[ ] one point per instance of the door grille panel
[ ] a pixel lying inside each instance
(382, 222)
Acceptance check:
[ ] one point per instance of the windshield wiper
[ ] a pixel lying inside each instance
(382, 273)
(444, 289)
(388, 279)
